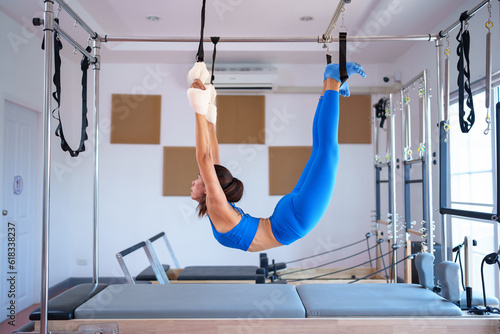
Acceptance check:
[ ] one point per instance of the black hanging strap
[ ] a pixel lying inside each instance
(342, 56)
(215, 40)
(328, 58)
(463, 81)
(200, 56)
(57, 96)
(380, 108)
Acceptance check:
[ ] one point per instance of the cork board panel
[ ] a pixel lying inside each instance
(135, 119)
(354, 122)
(285, 167)
(179, 170)
(241, 119)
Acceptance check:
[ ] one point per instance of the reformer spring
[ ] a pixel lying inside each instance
(353, 267)
(338, 260)
(331, 251)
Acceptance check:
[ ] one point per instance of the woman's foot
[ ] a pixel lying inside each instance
(344, 90)
(333, 70)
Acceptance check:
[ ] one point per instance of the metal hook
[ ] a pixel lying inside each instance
(343, 24)
(488, 122)
(58, 11)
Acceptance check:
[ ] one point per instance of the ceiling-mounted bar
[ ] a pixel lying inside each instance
(318, 39)
(74, 43)
(335, 17)
(470, 13)
(77, 18)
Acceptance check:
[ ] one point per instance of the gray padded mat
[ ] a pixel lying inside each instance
(228, 273)
(373, 299)
(194, 301)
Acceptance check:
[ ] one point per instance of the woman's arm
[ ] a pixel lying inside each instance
(214, 144)
(207, 150)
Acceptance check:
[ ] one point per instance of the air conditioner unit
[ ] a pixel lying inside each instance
(245, 77)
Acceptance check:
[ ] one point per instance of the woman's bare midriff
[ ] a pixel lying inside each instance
(264, 238)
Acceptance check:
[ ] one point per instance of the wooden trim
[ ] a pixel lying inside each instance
(408, 275)
(420, 234)
(376, 325)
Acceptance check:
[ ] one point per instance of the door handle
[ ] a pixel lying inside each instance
(5, 212)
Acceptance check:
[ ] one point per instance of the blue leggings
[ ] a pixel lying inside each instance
(298, 212)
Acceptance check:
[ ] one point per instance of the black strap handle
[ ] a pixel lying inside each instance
(342, 56)
(215, 40)
(200, 56)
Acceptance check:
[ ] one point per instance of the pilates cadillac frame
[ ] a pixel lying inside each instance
(49, 26)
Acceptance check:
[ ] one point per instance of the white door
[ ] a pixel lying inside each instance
(18, 209)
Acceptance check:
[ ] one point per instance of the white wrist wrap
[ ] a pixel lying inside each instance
(199, 71)
(212, 114)
(199, 100)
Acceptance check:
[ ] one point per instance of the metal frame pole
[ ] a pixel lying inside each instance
(74, 43)
(78, 19)
(428, 164)
(96, 47)
(392, 181)
(48, 29)
(442, 101)
(470, 13)
(318, 39)
(335, 17)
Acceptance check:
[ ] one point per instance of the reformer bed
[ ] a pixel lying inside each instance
(267, 308)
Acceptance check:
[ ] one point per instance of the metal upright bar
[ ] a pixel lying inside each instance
(443, 101)
(471, 13)
(48, 29)
(77, 18)
(428, 165)
(74, 43)
(393, 184)
(439, 77)
(96, 47)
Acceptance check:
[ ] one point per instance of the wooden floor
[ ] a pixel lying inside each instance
(379, 325)
(22, 318)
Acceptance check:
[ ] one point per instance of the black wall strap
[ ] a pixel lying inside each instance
(215, 40)
(200, 56)
(342, 56)
(463, 81)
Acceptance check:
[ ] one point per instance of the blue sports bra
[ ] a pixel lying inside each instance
(240, 236)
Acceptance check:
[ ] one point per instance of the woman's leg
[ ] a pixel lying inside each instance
(305, 172)
(313, 197)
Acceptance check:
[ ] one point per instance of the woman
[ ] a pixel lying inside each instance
(296, 213)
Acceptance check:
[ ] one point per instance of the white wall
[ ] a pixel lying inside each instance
(21, 70)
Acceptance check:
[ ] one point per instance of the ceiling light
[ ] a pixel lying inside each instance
(306, 18)
(152, 18)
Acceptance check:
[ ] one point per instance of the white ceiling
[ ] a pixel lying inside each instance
(246, 18)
